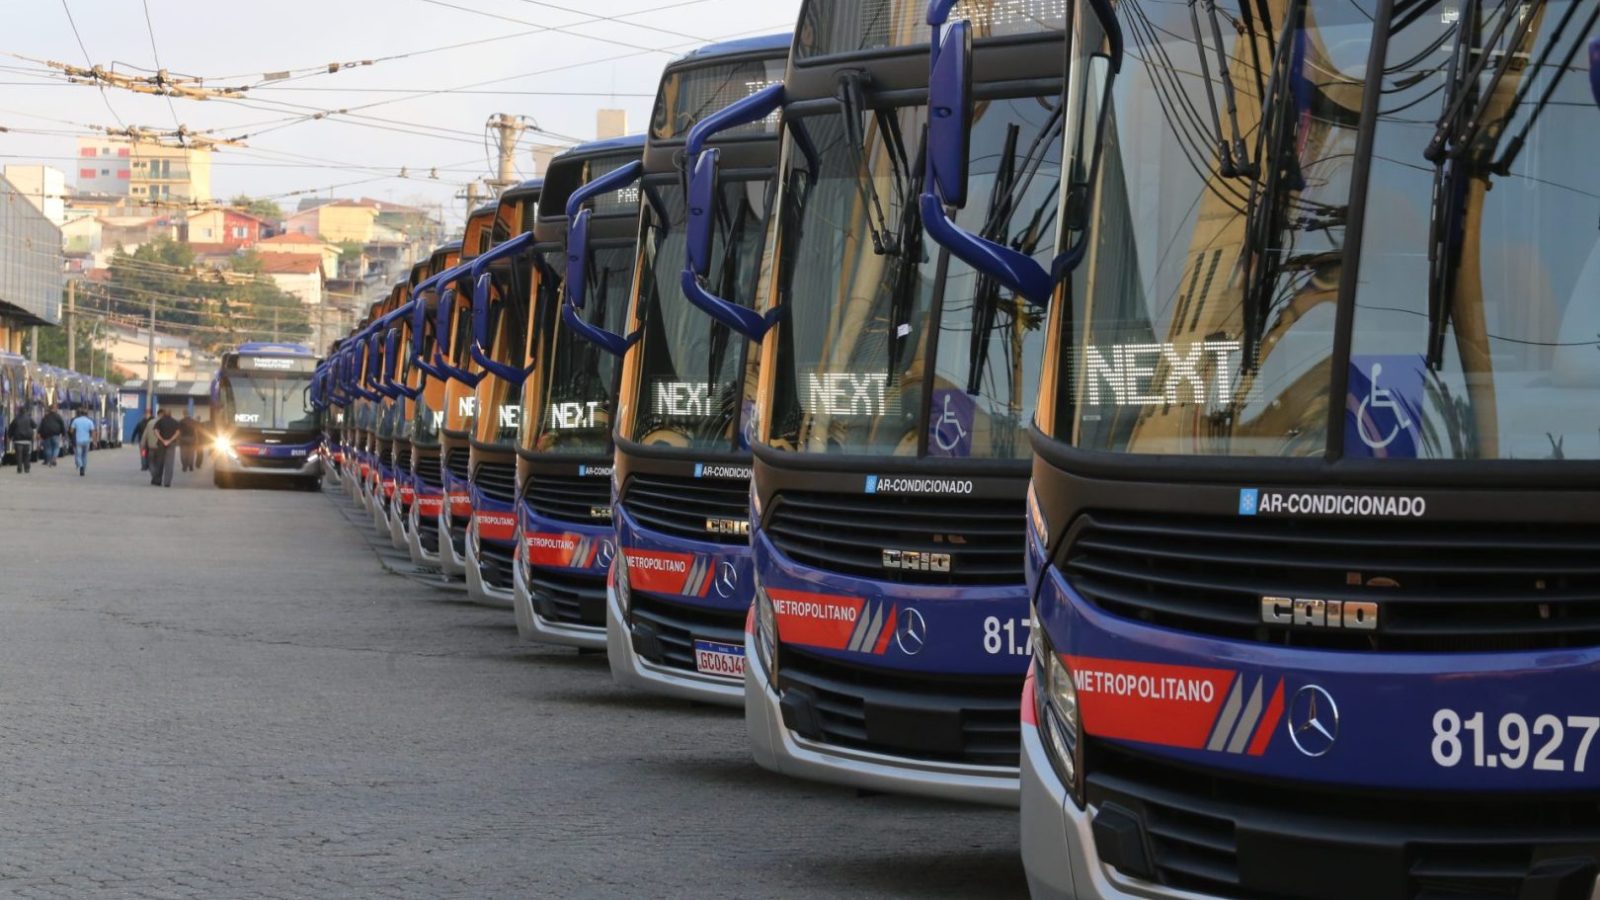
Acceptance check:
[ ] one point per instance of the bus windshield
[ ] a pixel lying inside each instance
(692, 386)
(580, 382)
(889, 344)
(1203, 317)
(260, 401)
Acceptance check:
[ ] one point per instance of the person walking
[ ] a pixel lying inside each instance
(188, 436)
(166, 429)
(138, 438)
(152, 446)
(82, 438)
(51, 428)
(21, 431)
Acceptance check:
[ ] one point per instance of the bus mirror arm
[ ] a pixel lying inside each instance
(702, 205)
(1015, 270)
(753, 108)
(748, 322)
(480, 332)
(615, 344)
(1594, 69)
(441, 334)
(419, 323)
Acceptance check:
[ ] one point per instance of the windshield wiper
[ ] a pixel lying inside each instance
(1233, 161)
(852, 100)
(1462, 119)
(1280, 175)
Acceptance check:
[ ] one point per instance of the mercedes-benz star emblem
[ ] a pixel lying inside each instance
(911, 634)
(727, 582)
(605, 554)
(1313, 721)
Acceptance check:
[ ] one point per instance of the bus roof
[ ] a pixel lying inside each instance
(766, 42)
(266, 348)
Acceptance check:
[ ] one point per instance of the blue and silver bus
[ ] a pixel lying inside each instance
(500, 280)
(681, 581)
(427, 386)
(890, 631)
(1315, 517)
(587, 230)
(264, 421)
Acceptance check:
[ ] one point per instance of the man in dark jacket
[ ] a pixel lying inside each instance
(166, 428)
(188, 434)
(20, 431)
(51, 427)
(138, 441)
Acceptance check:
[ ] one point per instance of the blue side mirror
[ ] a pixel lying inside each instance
(703, 165)
(443, 330)
(945, 178)
(1594, 69)
(574, 286)
(577, 252)
(480, 310)
(950, 112)
(702, 210)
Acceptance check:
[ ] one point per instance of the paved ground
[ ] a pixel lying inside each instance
(223, 694)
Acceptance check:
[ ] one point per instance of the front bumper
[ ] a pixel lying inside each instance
(777, 748)
(478, 588)
(630, 669)
(420, 556)
(224, 464)
(533, 627)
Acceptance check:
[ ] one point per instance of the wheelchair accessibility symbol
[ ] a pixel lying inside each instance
(1384, 406)
(950, 428)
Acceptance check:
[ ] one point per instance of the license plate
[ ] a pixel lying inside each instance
(716, 658)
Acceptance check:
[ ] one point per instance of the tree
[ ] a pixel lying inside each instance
(53, 351)
(212, 308)
(259, 206)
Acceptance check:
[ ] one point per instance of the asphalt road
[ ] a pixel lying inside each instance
(225, 694)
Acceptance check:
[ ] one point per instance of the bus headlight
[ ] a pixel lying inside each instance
(619, 577)
(766, 631)
(224, 447)
(1056, 706)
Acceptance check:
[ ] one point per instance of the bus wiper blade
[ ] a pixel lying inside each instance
(1280, 175)
(1465, 103)
(1233, 161)
(852, 99)
(1502, 166)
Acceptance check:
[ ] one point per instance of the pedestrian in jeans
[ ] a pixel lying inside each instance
(166, 429)
(82, 436)
(51, 427)
(20, 431)
(152, 447)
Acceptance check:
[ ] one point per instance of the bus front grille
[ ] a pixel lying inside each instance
(566, 498)
(694, 508)
(912, 540)
(497, 481)
(1414, 586)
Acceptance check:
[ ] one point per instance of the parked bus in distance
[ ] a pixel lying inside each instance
(263, 418)
(364, 400)
(587, 228)
(452, 358)
(889, 637)
(330, 405)
(1315, 517)
(16, 391)
(427, 411)
(390, 415)
(499, 278)
(681, 583)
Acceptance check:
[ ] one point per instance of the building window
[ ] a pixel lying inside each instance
(105, 171)
(85, 173)
(240, 231)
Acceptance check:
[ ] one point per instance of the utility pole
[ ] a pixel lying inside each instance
(72, 322)
(150, 363)
(274, 324)
(508, 128)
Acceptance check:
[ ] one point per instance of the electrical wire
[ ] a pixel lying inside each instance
(89, 61)
(150, 29)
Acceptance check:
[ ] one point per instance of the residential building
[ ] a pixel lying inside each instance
(144, 171)
(336, 221)
(31, 261)
(45, 187)
(296, 274)
(295, 244)
(233, 227)
(128, 349)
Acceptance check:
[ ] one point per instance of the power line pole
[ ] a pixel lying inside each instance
(508, 128)
(72, 323)
(274, 324)
(33, 343)
(150, 363)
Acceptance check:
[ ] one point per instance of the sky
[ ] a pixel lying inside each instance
(555, 63)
